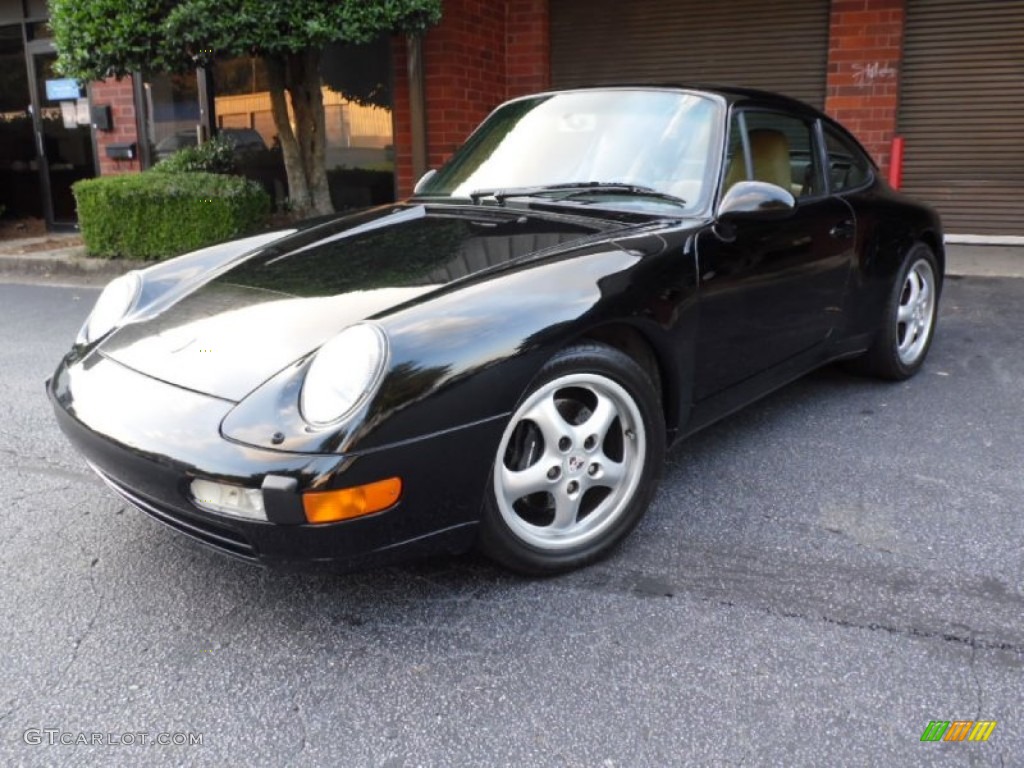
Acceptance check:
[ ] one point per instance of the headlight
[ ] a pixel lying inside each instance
(113, 304)
(345, 371)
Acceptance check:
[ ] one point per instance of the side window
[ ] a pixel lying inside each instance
(848, 168)
(782, 151)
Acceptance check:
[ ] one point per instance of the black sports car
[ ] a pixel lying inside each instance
(501, 360)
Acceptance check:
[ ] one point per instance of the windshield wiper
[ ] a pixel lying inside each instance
(574, 189)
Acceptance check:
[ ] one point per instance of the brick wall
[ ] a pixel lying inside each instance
(485, 52)
(119, 95)
(465, 73)
(865, 50)
(478, 56)
(528, 47)
(404, 174)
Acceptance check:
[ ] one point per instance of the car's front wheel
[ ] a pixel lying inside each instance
(577, 465)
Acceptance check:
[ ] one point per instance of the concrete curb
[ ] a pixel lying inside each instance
(984, 260)
(64, 263)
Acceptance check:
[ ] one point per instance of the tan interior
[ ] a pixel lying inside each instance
(769, 151)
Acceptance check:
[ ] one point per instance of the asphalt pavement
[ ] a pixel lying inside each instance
(820, 576)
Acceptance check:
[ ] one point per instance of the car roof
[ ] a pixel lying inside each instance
(732, 94)
(735, 93)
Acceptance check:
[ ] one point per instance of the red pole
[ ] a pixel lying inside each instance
(896, 163)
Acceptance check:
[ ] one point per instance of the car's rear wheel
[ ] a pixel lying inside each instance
(577, 464)
(902, 343)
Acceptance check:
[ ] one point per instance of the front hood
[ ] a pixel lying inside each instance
(235, 331)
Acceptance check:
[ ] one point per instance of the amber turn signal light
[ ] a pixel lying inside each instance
(347, 503)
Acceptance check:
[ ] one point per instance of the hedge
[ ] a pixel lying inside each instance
(159, 215)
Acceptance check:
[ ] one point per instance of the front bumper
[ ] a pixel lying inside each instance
(148, 440)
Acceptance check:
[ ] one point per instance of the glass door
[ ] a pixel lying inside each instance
(64, 145)
(19, 174)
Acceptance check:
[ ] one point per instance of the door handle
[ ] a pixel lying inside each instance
(844, 230)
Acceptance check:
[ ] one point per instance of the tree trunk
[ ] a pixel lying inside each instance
(305, 148)
(298, 188)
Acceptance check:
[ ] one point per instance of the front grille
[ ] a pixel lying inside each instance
(204, 531)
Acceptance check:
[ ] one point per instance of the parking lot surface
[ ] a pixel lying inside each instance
(819, 577)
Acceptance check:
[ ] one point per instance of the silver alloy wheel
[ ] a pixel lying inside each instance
(569, 461)
(915, 313)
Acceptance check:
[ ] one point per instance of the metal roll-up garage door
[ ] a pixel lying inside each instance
(775, 46)
(962, 112)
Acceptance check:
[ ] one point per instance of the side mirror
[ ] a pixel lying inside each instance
(423, 181)
(755, 200)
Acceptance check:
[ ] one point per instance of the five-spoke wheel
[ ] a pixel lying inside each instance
(916, 311)
(902, 342)
(577, 462)
(570, 461)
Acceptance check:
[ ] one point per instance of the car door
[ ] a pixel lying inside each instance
(771, 289)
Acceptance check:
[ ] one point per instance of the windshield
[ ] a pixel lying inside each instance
(660, 140)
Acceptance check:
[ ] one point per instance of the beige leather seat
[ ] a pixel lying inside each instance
(769, 151)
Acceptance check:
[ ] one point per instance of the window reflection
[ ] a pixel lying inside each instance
(19, 172)
(172, 113)
(657, 139)
(358, 123)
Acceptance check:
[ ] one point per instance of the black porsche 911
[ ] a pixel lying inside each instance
(501, 360)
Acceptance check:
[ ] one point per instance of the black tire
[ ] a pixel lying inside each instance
(543, 526)
(884, 358)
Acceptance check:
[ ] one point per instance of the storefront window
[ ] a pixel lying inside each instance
(357, 109)
(172, 113)
(241, 107)
(20, 193)
(360, 132)
(36, 9)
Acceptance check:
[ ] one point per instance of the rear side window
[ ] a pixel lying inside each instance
(848, 168)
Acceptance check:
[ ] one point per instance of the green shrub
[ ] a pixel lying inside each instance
(214, 156)
(159, 215)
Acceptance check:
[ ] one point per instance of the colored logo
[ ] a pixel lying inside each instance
(958, 730)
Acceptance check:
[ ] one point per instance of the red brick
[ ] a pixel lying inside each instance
(863, 33)
(485, 52)
(481, 54)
